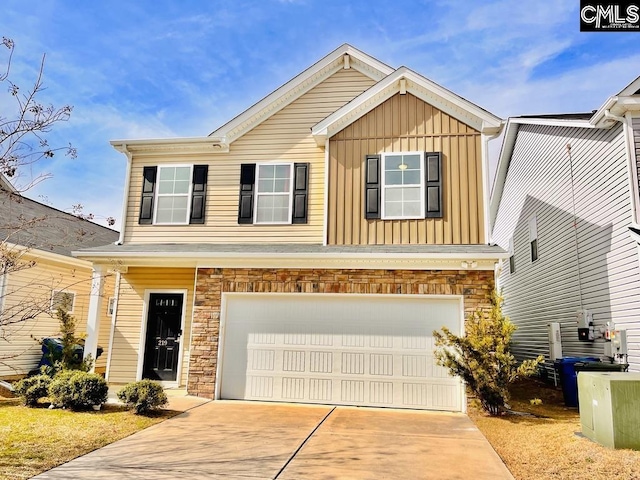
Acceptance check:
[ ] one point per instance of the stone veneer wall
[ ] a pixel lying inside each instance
(475, 285)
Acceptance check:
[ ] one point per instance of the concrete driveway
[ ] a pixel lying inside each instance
(244, 440)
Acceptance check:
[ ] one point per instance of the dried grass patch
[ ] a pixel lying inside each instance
(548, 444)
(38, 439)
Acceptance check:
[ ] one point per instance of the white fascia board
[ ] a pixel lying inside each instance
(298, 86)
(616, 106)
(508, 142)
(37, 254)
(421, 87)
(630, 89)
(444, 261)
(172, 145)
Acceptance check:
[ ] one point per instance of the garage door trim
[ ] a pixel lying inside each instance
(224, 308)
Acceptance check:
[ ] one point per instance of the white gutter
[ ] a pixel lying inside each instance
(127, 182)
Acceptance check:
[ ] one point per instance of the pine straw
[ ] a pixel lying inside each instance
(38, 439)
(549, 443)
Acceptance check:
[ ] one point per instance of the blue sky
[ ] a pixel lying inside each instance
(154, 69)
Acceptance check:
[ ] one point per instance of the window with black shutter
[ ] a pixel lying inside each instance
(173, 194)
(273, 193)
(372, 193)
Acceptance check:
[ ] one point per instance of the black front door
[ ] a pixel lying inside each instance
(162, 347)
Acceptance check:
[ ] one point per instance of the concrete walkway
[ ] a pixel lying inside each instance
(244, 440)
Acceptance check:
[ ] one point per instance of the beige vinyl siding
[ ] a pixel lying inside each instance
(129, 317)
(406, 123)
(33, 286)
(285, 137)
(595, 266)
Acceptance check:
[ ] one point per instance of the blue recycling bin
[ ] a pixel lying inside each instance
(52, 349)
(566, 368)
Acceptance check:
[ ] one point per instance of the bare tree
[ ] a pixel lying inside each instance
(25, 225)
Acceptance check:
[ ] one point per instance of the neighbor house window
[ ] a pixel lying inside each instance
(273, 193)
(173, 194)
(62, 299)
(403, 185)
(533, 238)
(512, 257)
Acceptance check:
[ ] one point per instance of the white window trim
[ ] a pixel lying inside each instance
(110, 305)
(73, 302)
(157, 194)
(257, 194)
(512, 254)
(383, 187)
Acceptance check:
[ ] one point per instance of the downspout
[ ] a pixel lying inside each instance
(627, 128)
(485, 180)
(325, 226)
(125, 200)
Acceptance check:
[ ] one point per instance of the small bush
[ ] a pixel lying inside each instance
(78, 390)
(482, 356)
(143, 396)
(32, 389)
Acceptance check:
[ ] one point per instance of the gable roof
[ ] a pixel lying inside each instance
(401, 81)
(576, 120)
(6, 185)
(344, 56)
(32, 224)
(627, 100)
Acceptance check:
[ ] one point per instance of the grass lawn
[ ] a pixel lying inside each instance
(38, 439)
(549, 445)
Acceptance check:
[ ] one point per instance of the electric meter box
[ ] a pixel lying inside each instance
(610, 408)
(585, 325)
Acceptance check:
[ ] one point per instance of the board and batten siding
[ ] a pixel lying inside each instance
(285, 137)
(20, 350)
(400, 124)
(129, 317)
(593, 266)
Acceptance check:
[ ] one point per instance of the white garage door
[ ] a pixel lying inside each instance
(374, 350)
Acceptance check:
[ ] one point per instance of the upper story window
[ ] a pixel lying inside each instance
(173, 194)
(512, 257)
(273, 193)
(533, 238)
(174, 189)
(403, 185)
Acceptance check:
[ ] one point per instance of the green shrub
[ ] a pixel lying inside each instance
(143, 396)
(483, 358)
(78, 390)
(31, 389)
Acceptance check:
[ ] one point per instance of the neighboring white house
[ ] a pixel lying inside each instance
(565, 205)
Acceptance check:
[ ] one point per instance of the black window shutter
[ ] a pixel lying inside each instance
(300, 192)
(245, 202)
(372, 187)
(146, 201)
(433, 184)
(198, 193)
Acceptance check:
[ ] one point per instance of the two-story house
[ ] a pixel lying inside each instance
(306, 250)
(38, 272)
(565, 204)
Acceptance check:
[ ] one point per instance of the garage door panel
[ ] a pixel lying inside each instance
(331, 349)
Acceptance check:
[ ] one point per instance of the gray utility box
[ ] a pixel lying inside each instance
(610, 408)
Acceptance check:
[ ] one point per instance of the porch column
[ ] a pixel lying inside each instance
(93, 319)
